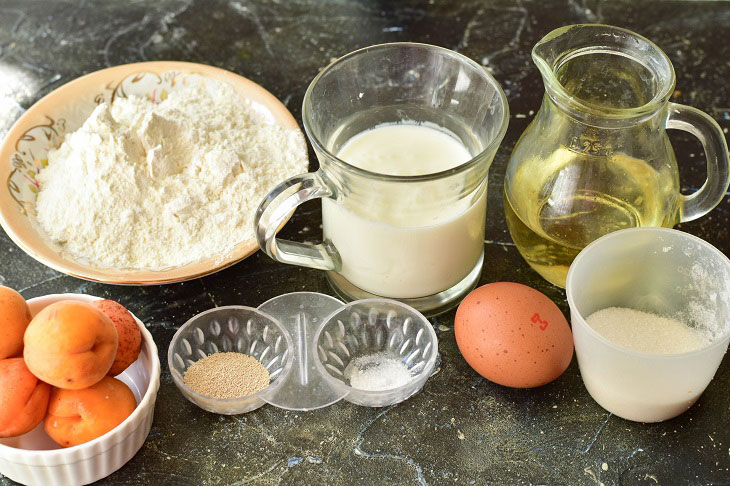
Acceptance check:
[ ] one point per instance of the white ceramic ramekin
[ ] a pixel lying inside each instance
(34, 459)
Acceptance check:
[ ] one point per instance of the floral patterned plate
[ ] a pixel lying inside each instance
(23, 155)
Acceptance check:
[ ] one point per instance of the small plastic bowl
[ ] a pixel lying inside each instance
(231, 329)
(34, 458)
(658, 270)
(376, 326)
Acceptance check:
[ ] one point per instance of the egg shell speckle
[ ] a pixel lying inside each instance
(513, 335)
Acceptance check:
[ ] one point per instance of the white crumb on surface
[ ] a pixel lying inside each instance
(144, 185)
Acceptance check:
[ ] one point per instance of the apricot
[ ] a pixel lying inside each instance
(14, 319)
(23, 398)
(130, 337)
(78, 416)
(70, 345)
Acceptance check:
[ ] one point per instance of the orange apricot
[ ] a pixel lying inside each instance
(14, 319)
(70, 345)
(130, 337)
(78, 416)
(23, 398)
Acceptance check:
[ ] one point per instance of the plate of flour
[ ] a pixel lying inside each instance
(146, 173)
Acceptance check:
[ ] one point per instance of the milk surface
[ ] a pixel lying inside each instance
(404, 243)
(404, 150)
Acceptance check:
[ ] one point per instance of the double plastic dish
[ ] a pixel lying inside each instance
(34, 458)
(310, 343)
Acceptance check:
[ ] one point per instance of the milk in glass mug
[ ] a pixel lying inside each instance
(405, 134)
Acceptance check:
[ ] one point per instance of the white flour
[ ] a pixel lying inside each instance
(150, 186)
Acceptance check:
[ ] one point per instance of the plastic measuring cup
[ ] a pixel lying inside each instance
(658, 270)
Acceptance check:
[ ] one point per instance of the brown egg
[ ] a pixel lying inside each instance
(14, 319)
(513, 335)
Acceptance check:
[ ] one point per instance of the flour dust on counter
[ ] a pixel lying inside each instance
(148, 185)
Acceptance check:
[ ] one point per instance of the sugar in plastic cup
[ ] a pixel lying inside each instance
(665, 272)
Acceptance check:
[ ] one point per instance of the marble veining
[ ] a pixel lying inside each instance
(460, 428)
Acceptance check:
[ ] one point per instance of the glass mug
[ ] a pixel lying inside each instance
(418, 238)
(597, 158)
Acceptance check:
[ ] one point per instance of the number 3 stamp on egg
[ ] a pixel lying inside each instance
(536, 318)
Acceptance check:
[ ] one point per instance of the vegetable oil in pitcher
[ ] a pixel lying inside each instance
(585, 167)
(560, 219)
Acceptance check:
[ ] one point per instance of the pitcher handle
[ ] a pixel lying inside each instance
(702, 126)
(273, 213)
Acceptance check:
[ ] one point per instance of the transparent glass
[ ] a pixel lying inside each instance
(665, 272)
(597, 158)
(436, 255)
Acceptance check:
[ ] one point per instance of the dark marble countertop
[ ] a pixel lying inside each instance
(461, 428)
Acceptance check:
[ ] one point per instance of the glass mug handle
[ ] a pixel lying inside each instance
(276, 208)
(702, 126)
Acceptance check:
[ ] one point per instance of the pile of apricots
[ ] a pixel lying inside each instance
(59, 366)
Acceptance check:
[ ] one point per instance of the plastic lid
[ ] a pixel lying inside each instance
(301, 314)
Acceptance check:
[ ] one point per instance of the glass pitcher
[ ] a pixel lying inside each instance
(597, 158)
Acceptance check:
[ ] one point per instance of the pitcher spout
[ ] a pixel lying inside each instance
(547, 52)
(604, 74)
